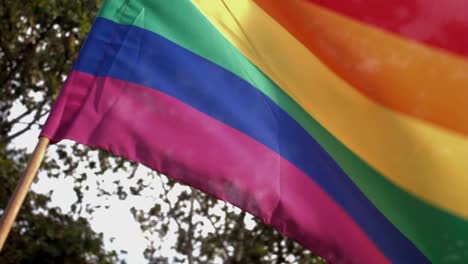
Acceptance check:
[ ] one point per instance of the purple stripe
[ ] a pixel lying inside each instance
(157, 130)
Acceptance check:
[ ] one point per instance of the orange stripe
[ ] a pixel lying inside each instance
(404, 75)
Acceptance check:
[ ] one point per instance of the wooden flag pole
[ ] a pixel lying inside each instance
(16, 201)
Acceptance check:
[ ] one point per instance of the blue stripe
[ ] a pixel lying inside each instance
(136, 55)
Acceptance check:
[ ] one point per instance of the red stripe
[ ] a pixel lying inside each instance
(157, 130)
(439, 23)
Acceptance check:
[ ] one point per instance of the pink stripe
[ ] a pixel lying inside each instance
(154, 129)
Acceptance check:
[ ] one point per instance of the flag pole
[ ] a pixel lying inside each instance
(16, 200)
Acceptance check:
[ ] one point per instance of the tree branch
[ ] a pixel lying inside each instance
(18, 118)
(37, 116)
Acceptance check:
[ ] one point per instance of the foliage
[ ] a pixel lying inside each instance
(38, 43)
(40, 40)
(45, 233)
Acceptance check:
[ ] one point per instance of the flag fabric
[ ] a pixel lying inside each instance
(342, 124)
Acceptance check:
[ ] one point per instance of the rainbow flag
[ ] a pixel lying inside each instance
(342, 124)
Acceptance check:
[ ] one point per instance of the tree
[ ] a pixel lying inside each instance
(45, 233)
(39, 42)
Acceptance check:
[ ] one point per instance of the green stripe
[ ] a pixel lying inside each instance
(441, 236)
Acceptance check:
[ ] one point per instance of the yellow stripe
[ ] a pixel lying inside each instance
(423, 159)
